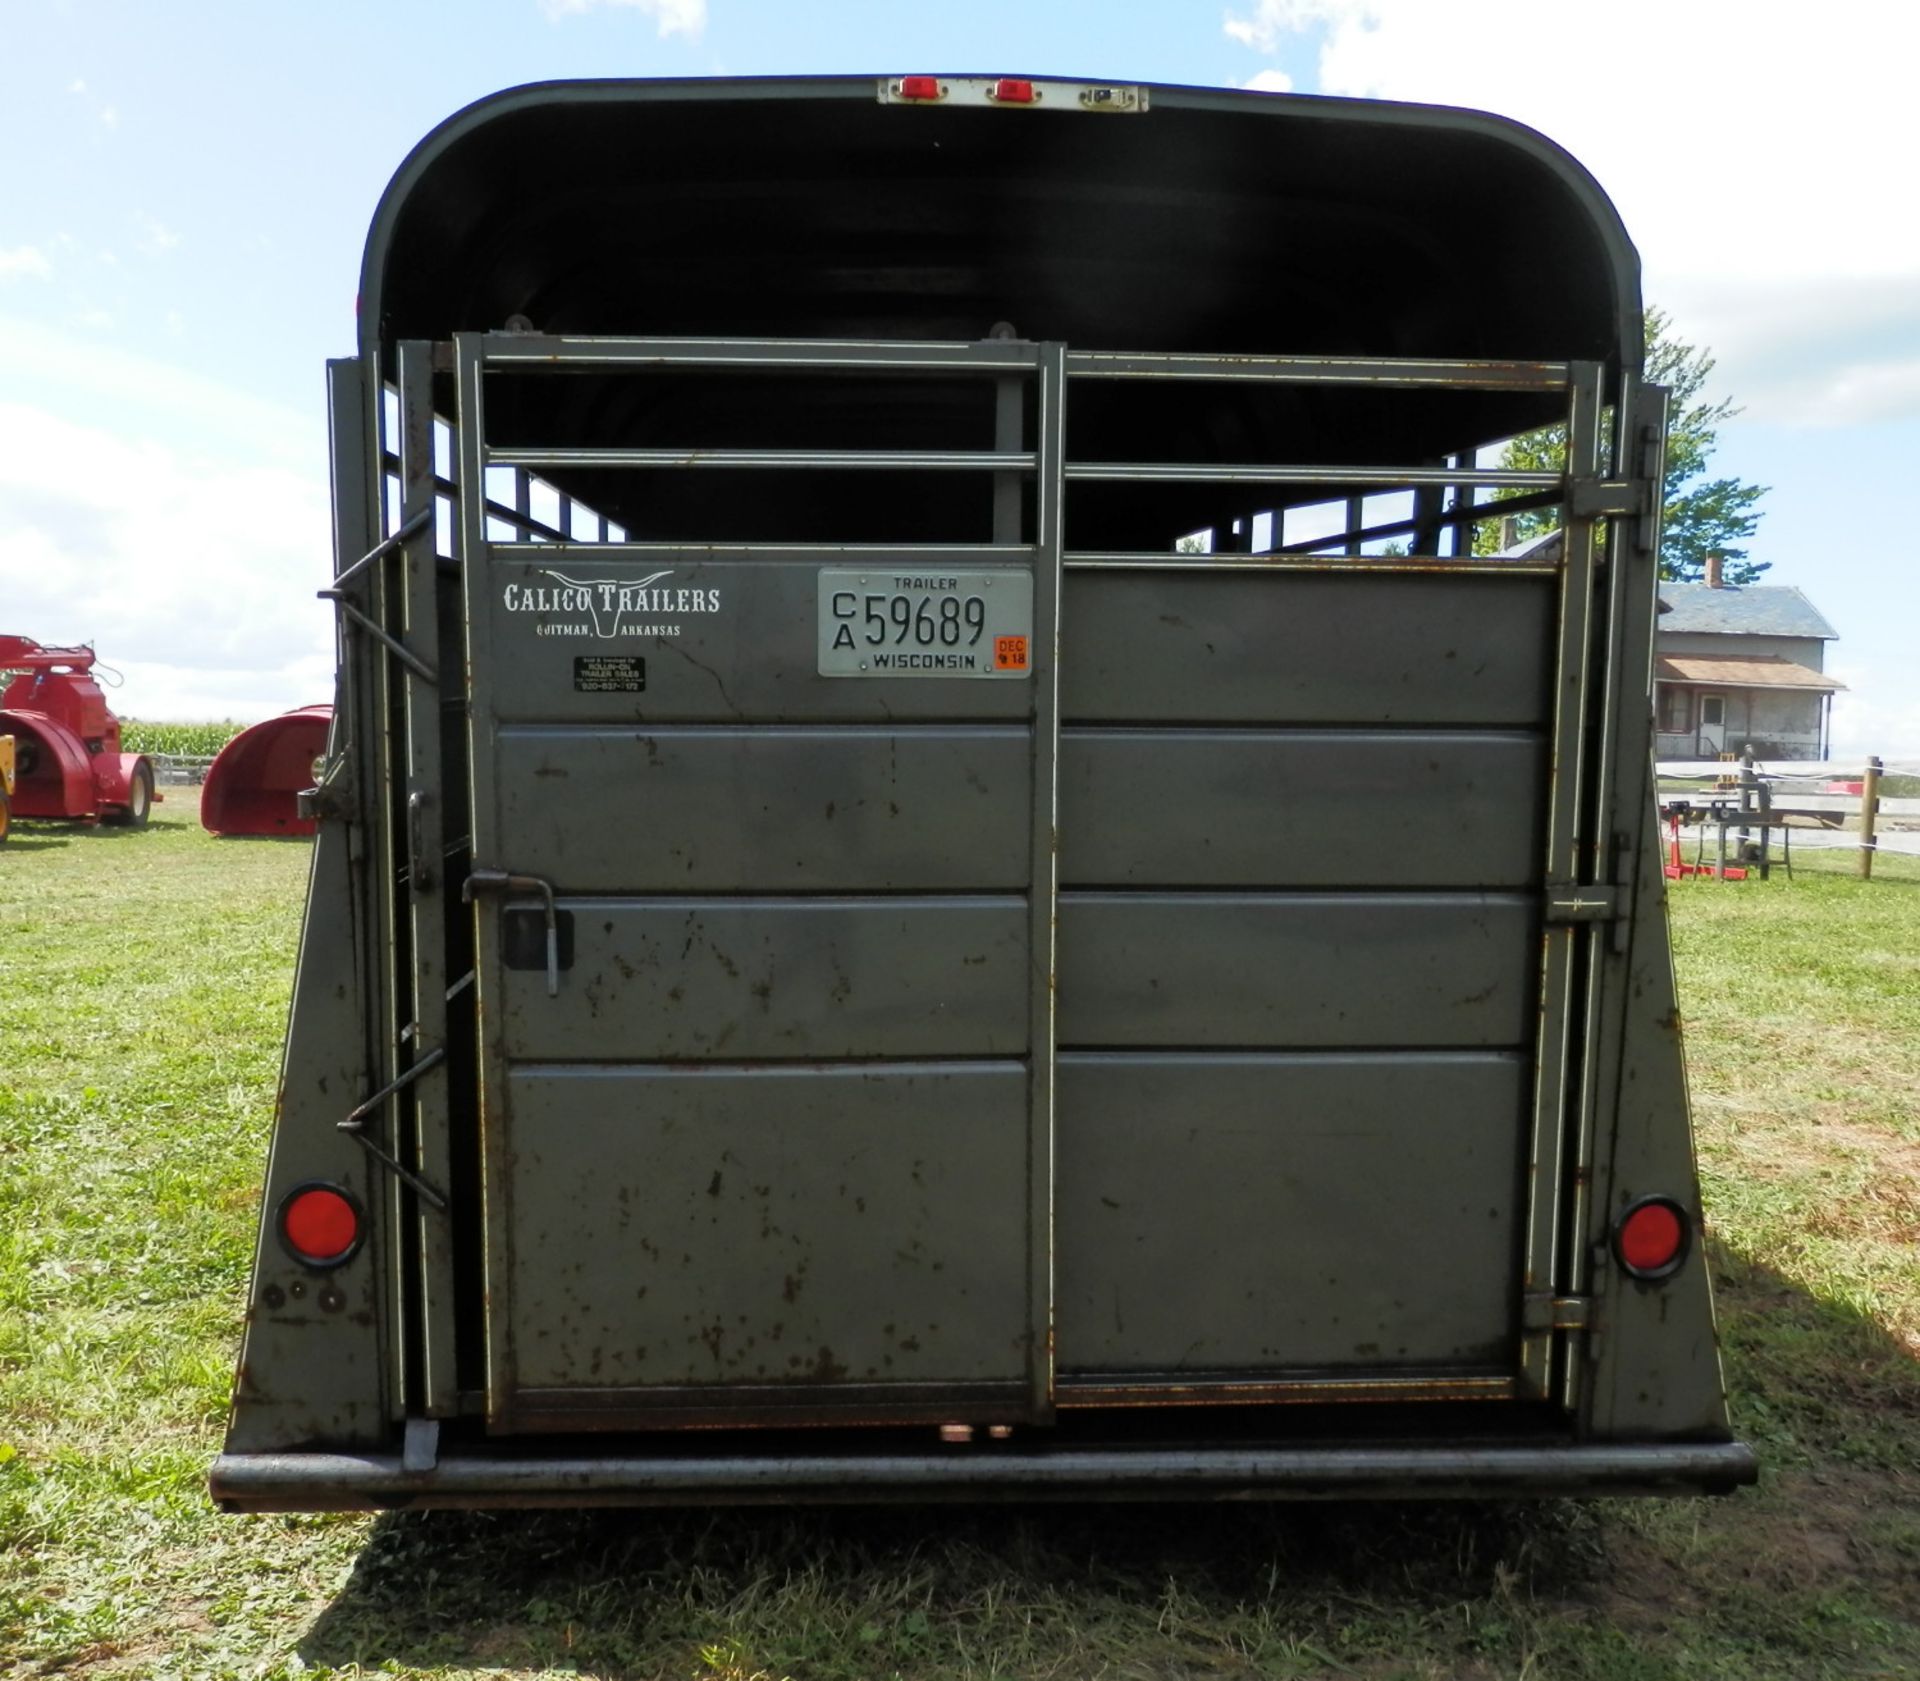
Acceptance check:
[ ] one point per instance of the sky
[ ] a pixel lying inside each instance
(189, 188)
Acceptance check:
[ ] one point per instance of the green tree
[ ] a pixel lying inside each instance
(1700, 516)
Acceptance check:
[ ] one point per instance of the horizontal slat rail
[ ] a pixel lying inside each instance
(1405, 373)
(531, 353)
(780, 460)
(1373, 478)
(1098, 560)
(520, 354)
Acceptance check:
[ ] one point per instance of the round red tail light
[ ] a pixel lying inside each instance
(1651, 1237)
(320, 1225)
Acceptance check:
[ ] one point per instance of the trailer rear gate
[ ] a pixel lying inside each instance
(850, 920)
(1150, 1020)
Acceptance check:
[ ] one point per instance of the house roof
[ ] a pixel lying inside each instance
(1731, 671)
(1754, 610)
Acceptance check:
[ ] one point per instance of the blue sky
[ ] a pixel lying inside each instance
(190, 185)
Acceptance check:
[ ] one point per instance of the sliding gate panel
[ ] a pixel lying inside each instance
(766, 1115)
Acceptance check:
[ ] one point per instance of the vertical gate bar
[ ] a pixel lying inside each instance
(1009, 401)
(1556, 1053)
(432, 1247)
(1044, 893)
(353, 416)
(386, 798)
(470, 428)
(1623, 801)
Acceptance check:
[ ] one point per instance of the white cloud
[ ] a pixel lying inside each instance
(24, 261)
(76, 86)
(153, 237)
(1269, 81)
(186, 564)
(154, 398)
(1878, 712)
(186, 542)
(672, 17)
(1758, 160)
(1273, 20)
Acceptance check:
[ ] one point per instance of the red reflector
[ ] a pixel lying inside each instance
(1009, 92)
(321, 1226)
(919, 87)
(1652, 1238)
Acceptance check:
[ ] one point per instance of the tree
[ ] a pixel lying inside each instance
(1714, 516)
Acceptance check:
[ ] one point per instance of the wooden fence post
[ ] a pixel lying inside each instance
(1869, 811)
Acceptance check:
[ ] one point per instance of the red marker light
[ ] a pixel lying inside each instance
(320, 1225)
(1650, 1238)
(920, 87)
(1010, 92)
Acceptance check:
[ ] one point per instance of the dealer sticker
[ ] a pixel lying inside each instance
(609, 674)
(878, 622)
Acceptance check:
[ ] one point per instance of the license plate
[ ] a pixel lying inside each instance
(876, 622)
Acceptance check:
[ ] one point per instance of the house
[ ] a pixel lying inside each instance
(1740, 666)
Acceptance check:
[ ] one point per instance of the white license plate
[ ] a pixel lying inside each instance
(878, 622)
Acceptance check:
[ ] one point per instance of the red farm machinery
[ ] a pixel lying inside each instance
(253, 787)
(67, 758)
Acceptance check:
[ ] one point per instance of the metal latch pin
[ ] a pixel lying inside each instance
(505, 881)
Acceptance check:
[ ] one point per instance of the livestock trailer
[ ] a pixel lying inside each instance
(945, 867)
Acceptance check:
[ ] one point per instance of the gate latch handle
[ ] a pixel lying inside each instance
(505, 881)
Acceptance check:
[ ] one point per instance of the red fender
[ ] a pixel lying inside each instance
(57, 780)
(253, 785)
(113, 775)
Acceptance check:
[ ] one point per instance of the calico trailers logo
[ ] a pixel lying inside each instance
(608, 607)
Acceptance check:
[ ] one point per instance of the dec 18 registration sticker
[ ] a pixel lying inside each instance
(881, 623)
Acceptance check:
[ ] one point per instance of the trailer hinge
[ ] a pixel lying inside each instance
(1548, 1312)
(1589, 497)
(355, 1127)
(1567, 904)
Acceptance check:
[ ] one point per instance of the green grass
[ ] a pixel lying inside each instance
(145, 982)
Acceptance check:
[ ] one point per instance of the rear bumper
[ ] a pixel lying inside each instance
(285, 1482)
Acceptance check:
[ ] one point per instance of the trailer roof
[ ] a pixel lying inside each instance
(1216, 221)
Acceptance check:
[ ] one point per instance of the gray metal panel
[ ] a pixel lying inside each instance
(1304, 648)
(695, 979)
(798, 1226)
(1303, 970)
(753, 656)
(768, 810)
(1275, 1213)
(1260, 808)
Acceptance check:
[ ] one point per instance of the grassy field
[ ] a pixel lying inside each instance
(143, 984)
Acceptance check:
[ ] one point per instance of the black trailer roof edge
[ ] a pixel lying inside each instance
(1548, 153)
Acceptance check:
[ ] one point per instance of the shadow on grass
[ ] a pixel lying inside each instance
(1813, 1574)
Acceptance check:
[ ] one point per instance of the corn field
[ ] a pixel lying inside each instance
(190, 741)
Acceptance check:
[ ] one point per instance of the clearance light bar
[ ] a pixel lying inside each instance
(1017, 93)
